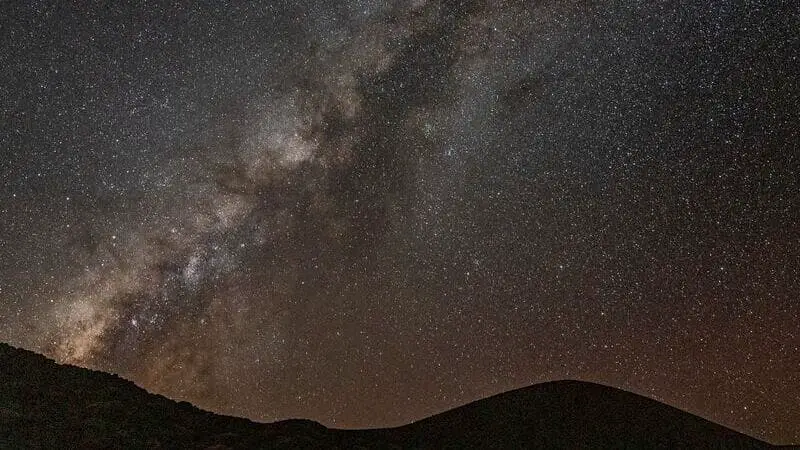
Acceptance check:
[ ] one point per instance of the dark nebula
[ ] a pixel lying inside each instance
(365, 212)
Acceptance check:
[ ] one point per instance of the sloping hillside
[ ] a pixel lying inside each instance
(48, 405)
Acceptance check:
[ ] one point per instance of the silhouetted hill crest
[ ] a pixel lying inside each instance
(47, 405)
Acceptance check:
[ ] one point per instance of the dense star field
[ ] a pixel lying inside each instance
(364, 212)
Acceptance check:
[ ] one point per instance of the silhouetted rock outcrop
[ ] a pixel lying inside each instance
(48, 405)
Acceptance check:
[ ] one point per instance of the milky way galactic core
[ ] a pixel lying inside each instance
(365, 212)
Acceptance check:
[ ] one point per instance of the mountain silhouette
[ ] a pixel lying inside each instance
(48, 405)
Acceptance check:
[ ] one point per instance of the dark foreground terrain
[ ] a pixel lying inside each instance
(47, 405)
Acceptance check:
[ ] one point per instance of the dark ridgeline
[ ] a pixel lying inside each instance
(47, 405)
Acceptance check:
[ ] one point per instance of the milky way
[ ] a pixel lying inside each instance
(366, 212)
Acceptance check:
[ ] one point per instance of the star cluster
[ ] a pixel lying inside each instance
(366, 212)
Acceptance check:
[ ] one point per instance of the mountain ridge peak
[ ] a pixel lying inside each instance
(44, 403)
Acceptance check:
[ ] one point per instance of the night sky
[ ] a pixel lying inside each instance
(365, 212)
